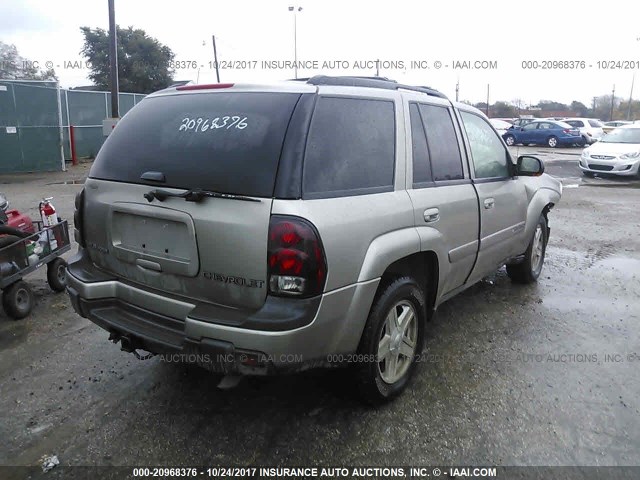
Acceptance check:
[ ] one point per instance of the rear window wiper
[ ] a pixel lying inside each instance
(195, 195)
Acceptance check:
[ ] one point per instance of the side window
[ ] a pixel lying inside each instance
(350, 149)
(531, 126)
(487, 151)
(546, 126)
(446, 161)
(421, 164)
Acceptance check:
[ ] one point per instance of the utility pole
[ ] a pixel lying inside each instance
(633, 79)
(487, 112)
(593, 108)
(113, 60)
(215, 57)
(613, 98)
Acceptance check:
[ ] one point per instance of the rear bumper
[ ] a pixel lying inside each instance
(166, 326)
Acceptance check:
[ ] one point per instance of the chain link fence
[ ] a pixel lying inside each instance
(35, 121)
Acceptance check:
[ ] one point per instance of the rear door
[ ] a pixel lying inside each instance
(214, 249)
(441, 192)
(503, 200)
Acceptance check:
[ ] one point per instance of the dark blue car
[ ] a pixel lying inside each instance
(544, 132)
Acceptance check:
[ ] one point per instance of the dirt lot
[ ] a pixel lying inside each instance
(514, 375)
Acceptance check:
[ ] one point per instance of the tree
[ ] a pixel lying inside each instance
(603, 107)
(551, 105)
(144, 64)
(580, 108)
(15, 67)
(503, 110)
(623, 112)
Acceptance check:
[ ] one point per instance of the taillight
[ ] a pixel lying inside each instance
(567, 131)
(78, 233)
(295, 259)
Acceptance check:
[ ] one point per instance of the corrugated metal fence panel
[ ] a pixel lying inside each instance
(29, 127)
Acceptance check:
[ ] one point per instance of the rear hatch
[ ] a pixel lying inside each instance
(213, 249)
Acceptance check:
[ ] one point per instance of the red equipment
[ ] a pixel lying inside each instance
(20, 221)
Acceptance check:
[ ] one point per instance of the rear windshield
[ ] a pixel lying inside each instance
(225, 142)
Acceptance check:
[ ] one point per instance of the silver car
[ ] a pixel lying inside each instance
(590, 128)
(618, 153)
(259, 229)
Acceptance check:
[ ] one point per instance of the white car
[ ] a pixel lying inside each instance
(590, 128)
(616, 153)
(500, 125)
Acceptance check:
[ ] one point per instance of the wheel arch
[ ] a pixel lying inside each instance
(424, 268)
(541, 204)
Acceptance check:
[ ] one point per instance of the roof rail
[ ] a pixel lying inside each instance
(306, 79)
(370, 82)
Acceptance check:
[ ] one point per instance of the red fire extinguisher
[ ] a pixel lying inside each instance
(49, 219)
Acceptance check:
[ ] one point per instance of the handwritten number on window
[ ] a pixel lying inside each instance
(203, 124)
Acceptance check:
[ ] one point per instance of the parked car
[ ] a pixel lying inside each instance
(521, 122)
(590, 128)
(544, 132)
(617, 153)
(274, 228)
(609, 126)
(500, 125)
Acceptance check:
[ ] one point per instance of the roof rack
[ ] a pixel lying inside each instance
(370, 82)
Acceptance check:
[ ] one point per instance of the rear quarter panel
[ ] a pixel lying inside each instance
(374, 227)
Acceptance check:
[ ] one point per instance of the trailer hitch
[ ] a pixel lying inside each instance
(130, 345)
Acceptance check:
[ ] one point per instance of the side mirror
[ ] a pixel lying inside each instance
(529, 166)
(522, 129)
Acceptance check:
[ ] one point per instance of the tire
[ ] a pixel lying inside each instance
(510, 140)
(57, 275)
(7, 230)
(379, 382)
(552, 142)
(18, 300)
(8, 240)
(529, 269)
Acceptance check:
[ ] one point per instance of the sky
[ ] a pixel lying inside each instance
(478, 45)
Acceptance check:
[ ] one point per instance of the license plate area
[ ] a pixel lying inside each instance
(152, 238)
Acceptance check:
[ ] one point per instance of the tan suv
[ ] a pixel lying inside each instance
(272, 228)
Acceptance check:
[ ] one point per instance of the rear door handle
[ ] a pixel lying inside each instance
(431, 215)
(489, 203)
